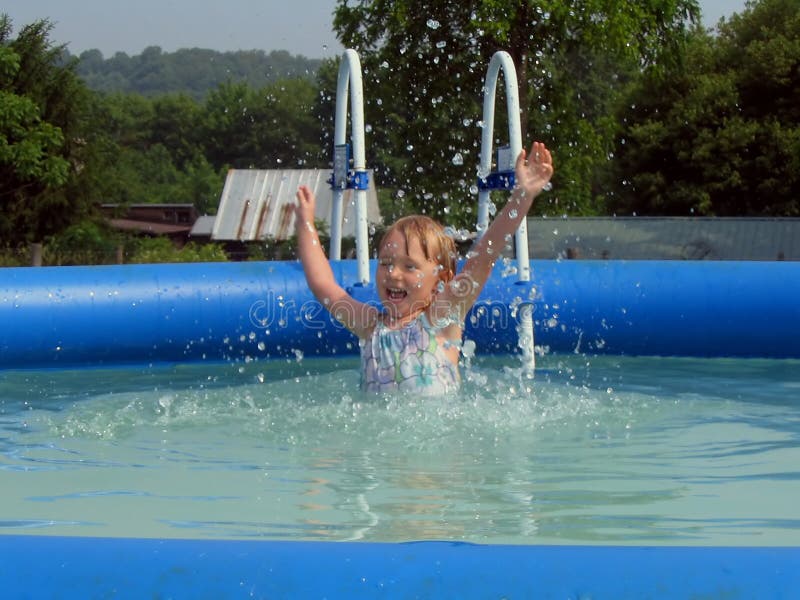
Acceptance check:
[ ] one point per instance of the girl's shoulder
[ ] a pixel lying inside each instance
(444, 324)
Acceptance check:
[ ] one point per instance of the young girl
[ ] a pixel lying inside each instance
(413, 343)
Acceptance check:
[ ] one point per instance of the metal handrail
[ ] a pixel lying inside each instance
(350, 80)
(502, 61)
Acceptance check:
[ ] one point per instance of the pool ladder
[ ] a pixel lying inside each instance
(503, 179)
(343, 176)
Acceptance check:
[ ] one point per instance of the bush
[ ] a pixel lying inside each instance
(162, 250)
(86, 243)
(14, 257)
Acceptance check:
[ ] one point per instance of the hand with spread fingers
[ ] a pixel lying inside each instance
(534, 169)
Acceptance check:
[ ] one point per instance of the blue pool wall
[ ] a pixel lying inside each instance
(87, 316)
(66, 567)
(106, 315)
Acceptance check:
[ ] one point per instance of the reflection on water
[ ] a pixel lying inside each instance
(594, 450)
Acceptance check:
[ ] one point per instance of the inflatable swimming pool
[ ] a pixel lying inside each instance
(81, 317)
(105, 315)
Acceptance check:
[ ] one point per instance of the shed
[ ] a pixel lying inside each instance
(172, 220)
(256, 203)
(203, 227)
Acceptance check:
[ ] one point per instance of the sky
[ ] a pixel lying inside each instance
(298, 26)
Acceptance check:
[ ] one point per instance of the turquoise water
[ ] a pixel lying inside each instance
(603, 450)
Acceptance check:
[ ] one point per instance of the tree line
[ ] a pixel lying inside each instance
(647, 112)
(191, 71)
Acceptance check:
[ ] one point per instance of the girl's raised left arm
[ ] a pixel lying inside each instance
(532, 173)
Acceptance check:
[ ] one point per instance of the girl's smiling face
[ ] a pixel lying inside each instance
(406, 279)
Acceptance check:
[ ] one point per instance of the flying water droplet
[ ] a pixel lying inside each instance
(509, 270)
(468, 348)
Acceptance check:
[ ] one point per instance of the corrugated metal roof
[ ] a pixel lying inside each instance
(256, 203)
(679, 238)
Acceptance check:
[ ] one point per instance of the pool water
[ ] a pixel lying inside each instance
(594, 450)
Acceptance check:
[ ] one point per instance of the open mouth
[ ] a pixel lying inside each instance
(395, 294)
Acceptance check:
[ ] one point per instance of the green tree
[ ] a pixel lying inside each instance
(273, 127)
(720, 136)
(285, 131)
(119, 144)
(41, 135)
(149, 150)
(425, 63)
(175, 124)
(228, 122)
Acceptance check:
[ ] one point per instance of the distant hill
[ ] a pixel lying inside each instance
(193, 71)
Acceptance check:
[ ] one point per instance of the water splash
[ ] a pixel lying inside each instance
(569, 456)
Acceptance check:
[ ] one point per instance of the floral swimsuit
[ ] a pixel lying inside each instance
(407, 359)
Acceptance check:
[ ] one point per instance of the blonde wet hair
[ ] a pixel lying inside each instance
(436, 244)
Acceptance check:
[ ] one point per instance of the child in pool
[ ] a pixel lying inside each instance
(413, 344)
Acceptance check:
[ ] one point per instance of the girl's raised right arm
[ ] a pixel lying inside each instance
(358, 317)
